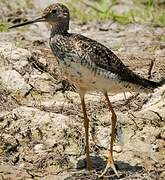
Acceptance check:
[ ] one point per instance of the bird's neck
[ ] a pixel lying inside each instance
(59, 28)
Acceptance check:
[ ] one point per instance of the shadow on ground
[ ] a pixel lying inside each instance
(98, 165)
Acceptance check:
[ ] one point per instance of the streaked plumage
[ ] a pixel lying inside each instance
(93, 66)
(90, 66)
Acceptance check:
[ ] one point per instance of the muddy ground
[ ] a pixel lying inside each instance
(41, 124)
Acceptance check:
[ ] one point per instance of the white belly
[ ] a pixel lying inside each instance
(84, 78)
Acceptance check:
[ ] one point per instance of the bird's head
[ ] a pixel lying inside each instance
(54, 14)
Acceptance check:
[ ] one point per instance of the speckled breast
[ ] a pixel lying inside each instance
(82, 72)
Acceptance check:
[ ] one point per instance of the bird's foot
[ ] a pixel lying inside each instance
(110, 164)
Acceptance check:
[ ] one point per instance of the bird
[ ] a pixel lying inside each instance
(90, 66)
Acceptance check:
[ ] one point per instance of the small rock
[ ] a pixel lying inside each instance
(39, 148)
(42, 83)
(117, 149)
(13, 81)
(22, 165)
(13, 54)
(18, 57)
(155, 147)
(162, 135)
(103, 136)
(162, 175)
(73, 149)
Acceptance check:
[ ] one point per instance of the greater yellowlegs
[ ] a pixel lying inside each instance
(90, 66)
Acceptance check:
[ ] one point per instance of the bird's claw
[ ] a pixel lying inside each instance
(109, 165)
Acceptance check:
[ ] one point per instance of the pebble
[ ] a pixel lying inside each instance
(39, 148)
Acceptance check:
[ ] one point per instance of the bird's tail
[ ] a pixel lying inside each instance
(145, 85)
(151, 84)
(137, 83)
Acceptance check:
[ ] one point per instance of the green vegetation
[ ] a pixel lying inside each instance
(84, 11)
(162, 38)
(153, 48)
(102, 10)
(13, 5)
(3, 26)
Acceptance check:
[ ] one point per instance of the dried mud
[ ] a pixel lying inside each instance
(41, 124)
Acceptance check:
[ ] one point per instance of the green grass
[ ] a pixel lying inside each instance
(162, 38)
(159, 19)
(153, 48)
(150, 12)
(146, 12)
(85, 11)
(3, 26)
(12, 7)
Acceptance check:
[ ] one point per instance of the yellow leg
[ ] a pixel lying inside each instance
(86, 126)
(110, 162)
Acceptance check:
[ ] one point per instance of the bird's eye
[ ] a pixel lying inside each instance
(54, 11)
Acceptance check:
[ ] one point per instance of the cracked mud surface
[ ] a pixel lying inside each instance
(41, 124)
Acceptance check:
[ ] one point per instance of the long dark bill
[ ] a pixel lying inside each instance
(41, 19)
